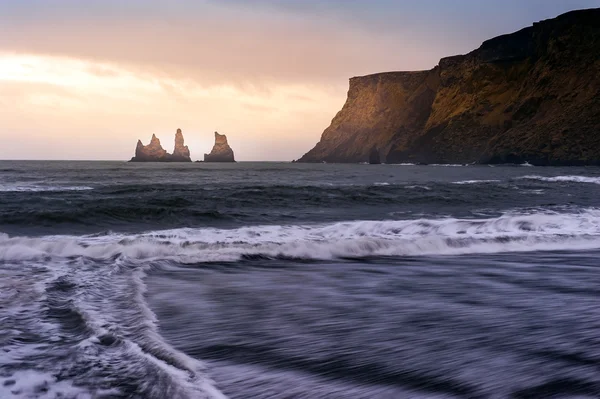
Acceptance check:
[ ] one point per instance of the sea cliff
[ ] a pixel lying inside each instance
(530, 96)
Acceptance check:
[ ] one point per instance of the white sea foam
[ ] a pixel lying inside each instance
(40, 385)
(534, 192)
(574, 179)
(426, 188)
(447, 164)
(109, 301)
(381, 184)
(447, 236)
(476, 181)
(20, 187)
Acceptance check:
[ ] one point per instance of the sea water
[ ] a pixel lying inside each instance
(278, 280)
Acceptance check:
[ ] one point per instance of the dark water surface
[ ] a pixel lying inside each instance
(273, 280)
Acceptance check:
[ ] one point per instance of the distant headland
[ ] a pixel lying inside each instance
(154, 152)
(529, 96)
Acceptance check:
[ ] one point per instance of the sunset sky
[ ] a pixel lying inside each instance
(86, 79)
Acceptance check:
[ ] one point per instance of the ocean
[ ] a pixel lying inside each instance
(280, 280)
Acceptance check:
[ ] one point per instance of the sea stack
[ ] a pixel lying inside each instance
(181, 152)
(154, 152)
(221, 151)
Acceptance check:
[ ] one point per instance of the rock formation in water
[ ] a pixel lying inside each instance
(154, 152)
(221, 151)
(533, 95)
(181, 152)
(374, 158)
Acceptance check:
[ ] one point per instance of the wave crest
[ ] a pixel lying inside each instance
(40, 188)
(462, 182)
(449, 236)
(574, 179)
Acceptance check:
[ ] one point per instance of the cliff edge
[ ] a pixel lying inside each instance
(533, 95)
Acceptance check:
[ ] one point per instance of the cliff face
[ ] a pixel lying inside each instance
(533, 95)
(154, 152)
(221, 151)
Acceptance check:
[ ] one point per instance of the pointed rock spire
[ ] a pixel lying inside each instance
(181, 152)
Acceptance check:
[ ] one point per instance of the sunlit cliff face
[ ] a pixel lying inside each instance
(85, 80)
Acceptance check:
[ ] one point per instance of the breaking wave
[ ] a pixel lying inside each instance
(574, 179)
(39, 188)
(476, 181)
(511, 232)
(418, 187)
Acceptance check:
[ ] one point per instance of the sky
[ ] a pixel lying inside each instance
(87, 79)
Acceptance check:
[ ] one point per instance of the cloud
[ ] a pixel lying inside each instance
(220, 44)
(102, 71)
(256, 43)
